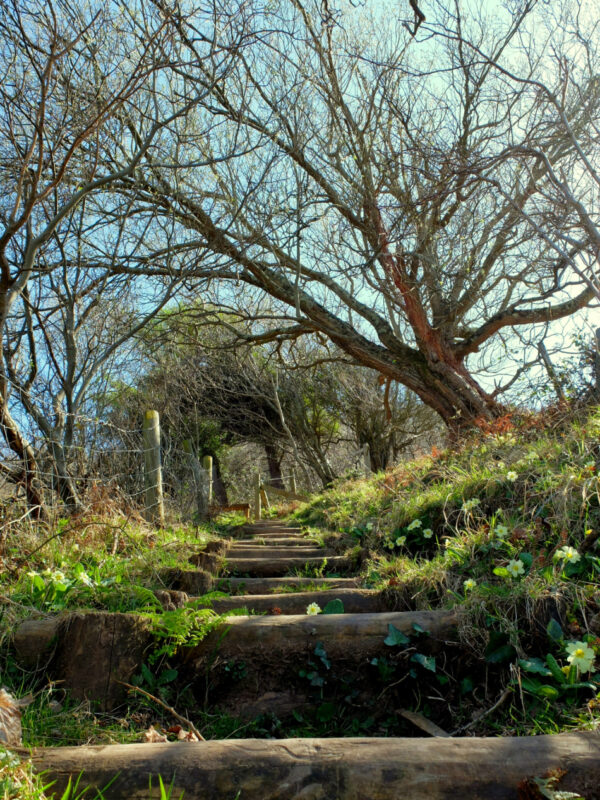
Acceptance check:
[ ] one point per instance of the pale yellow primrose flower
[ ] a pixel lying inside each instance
(581, 656)
(313, 609)
(416, 523)
(500, 531)
(568, 554)
(469, 584)
(427, 533)
(400, 541)
(511, 476)
(515, 568)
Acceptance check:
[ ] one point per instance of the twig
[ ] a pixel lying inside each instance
(168, 708)
(505, 694)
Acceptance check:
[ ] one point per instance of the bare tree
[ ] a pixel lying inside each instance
(356, 198)
(87, 92)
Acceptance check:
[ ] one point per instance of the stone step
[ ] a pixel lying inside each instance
(356, 601)
(254, 586)
(499, 768)
(259, 567)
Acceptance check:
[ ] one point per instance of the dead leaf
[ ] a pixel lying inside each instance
(10, 718)
(152, 736)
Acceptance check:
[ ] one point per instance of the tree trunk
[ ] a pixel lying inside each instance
(220, 492)
(67, 489)
(28, 473)
(274, 465)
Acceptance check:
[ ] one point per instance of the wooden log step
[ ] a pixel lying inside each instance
(331, 769)
(356, 601)
(285, 541)
(266, 529)
(258, 567)
(267, 551)
(253, 586)
(351, 637)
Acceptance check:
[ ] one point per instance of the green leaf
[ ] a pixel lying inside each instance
(551, 692)
(321, 653)
(425, 661)
(418, 629)
(502, 572)
(505, 652)
(167, 676)
(466, 686)
(147, 675)
(334, 607)
(395, 637)
(555, 669)
(325, 712)
(554, 631)
(535, 665)
(315, 679)
(527, 559)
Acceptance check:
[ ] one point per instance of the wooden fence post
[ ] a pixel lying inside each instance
(200, 481)
(257, 497)
(367, 459)
(207, 463)
(155, 510)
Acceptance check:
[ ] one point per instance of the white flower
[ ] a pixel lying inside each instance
(427, 533)
(85, 579)
(501, 531)
(581, 656)
(515, 568)
(511, 476)
(58, 576)
(313, 609)
(32, 574)
(567, 553)
(75, 547)
(416, 523)
(469, 584)
(400, 541)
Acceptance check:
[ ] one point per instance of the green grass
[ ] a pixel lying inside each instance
(514, 500)
(482, 519)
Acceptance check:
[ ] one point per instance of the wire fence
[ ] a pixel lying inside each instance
(94, 466)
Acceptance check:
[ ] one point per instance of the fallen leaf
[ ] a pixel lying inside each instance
(10, 717)
(152, 735)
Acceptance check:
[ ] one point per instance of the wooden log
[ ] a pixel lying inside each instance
(356, 601)
(154, 506)
(330, 769)
(267, 585)
(274, 551)
(194, 582)
(279, 541)
(351, 637)
(91, 652)
(257, 567)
